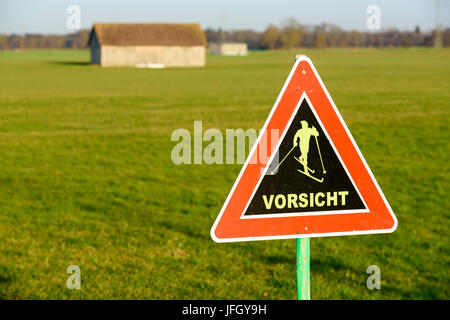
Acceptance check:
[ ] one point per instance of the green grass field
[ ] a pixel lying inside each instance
(86, 177)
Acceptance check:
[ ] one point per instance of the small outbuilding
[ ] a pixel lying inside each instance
(229, 49)
(153, 45)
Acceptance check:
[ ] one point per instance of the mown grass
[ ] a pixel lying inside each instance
(86, 177)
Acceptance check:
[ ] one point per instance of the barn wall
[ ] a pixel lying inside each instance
(167, 56)
(95, 50)
(228, 49)
(234, 49)
(215, 48)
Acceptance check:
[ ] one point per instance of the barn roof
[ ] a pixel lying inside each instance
(149, 34)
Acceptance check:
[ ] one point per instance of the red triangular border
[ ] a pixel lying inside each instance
(230, 227)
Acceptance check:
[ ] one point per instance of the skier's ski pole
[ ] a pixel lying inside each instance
(320, 155)
(283, 159)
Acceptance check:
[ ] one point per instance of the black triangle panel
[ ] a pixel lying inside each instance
(324, 187)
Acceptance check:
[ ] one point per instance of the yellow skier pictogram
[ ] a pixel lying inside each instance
(304, 135)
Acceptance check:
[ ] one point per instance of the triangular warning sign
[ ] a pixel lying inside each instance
(305, 176)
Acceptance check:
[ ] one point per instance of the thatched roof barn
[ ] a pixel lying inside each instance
(147, 45)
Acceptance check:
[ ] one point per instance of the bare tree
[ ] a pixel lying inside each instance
(271, 37)
(320, 37)
(291, 34)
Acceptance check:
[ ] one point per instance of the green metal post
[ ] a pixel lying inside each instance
(303, 289)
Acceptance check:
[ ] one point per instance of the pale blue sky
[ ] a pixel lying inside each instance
(49, 16)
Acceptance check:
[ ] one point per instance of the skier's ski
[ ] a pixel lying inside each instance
(311, 170)
(308, 175)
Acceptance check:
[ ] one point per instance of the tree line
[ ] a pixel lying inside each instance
(292, 34)
(289, 34)
(76, 40)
